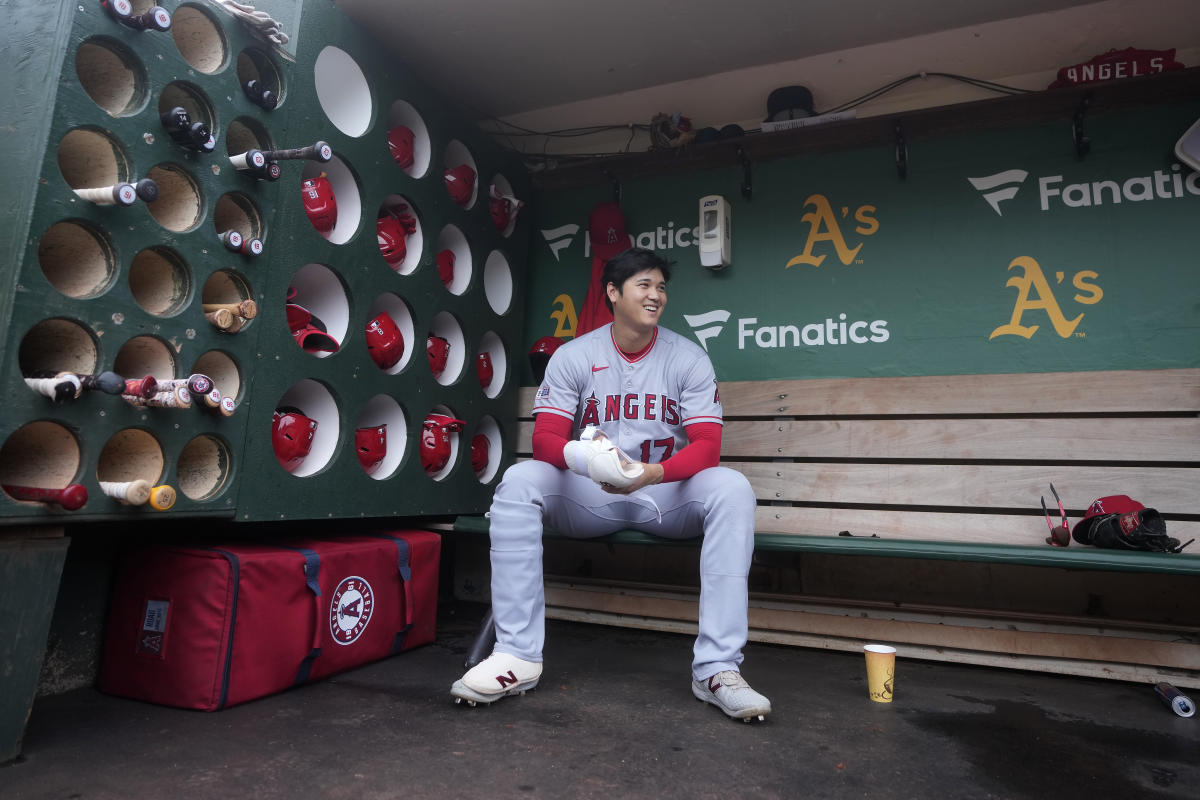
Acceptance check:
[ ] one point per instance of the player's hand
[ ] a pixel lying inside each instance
(651, 474)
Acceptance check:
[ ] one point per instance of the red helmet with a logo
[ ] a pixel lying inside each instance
(320, 204)
(370, 445)
(292, 437)
(400, 143)
(480, 446)
(460, 182)
(435, 440)
(483, 368)
(390, 236)
(439, 352)
(539, 355)
(385, 342)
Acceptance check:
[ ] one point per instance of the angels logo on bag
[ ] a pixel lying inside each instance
(350, 610)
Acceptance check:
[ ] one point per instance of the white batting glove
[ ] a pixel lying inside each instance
(610, 467)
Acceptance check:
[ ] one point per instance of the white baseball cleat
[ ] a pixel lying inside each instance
(729, 692)
(499, 675)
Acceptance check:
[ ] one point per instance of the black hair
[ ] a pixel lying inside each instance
(626, 264)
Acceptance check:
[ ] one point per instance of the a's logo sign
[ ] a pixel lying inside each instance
(1034, 293)
(712, 322)
(350, 609)
(998, 187)
(824, 227)
(560, 238)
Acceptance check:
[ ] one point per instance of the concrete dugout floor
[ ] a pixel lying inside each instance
(614, 718)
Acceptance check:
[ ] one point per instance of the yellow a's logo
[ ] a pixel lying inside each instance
(1034, 294)
(565, 316)
(823, 227)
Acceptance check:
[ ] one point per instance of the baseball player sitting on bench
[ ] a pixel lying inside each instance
(627, 435)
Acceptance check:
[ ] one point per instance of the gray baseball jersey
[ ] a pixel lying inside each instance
(643, 404)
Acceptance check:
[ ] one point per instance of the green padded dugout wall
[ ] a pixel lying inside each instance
(1001, 251)
(92, 288)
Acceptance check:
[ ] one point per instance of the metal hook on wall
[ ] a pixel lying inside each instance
(1083, 143)
(901, 152)
(747, 174)
(616, 186)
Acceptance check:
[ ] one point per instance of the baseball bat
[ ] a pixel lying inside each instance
(162, 497)
(119, 194)
(107, 382)
(135, 493)
(179, 397)
(62, 387)
(260, 95)
(254, 162)
(141, 387)
(227, 407)
(246, 309)
(72, 497)
(317, 151)
(239, 244)
(221, 318)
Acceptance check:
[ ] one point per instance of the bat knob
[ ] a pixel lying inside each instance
(322, 151)
(74, 497)
(147, 190)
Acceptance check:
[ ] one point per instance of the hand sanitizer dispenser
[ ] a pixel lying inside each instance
(715, 232)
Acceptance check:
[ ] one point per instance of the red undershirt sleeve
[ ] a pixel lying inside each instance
(550, 435)
(702, 451)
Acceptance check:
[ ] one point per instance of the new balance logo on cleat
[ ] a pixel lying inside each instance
(506, 680)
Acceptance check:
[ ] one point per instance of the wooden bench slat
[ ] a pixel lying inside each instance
(1124, 391)
(1147, 439)
(970, 485)
(927, 526)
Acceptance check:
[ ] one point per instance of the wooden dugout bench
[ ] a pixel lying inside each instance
(948, 471)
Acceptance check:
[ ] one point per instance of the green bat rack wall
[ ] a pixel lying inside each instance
(123, 288)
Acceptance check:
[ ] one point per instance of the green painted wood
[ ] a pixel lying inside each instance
(29, 575)
(1061, 558)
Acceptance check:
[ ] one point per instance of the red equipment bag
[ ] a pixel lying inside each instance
(211, 627)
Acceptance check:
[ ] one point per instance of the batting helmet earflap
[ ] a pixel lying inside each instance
(439, 352)
(370, 445)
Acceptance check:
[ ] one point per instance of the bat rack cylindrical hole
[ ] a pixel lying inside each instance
(447, 326)
(315, 401)
(403, 113)
(342, 91)
(228, 286)
(88, 158)
(400, 312)
(112, 75)
(202, 469)
(131, 454)
(190, 98)
(382, 409)
(235, 211)
(453, 239)
(199, 38)
(160, 281)
(223, 370)
(489, 428)
(42, 453)
(497, 282)
(77, 259)
(494, 347)
(58, 345)
(457, 154)
(255, 65)
(145, 355)
(244, 134)
(414, 244)
(179, 204)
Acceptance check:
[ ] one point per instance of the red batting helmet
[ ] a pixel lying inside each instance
(460, 182)
(479, 453)
(320, 204)
(439, 351)
(308, 331)
(390, 237)
(400, 142)
(445, 265)
(385, 342)
(435, 440)
(370, 444)
(539, 355)
(483, 368)
(292, 436)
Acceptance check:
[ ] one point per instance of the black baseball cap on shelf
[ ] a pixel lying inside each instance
(789, 102)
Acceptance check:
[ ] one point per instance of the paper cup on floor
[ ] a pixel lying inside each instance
(881, 671)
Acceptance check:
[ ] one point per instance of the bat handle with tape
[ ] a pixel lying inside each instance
(118, 194)
(318, 151)
(135, 493)
(64, 386)
(162, 497)
(72, 497)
